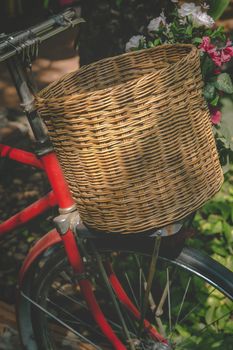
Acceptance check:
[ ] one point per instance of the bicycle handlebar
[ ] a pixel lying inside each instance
(16, 43)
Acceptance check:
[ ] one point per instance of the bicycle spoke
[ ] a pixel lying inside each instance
(142, 278)
(215, 321)
(84, 305)
(131, 323)
(172, 301)
(181, 306)
(77, 320)
(112, 295)
(72, 299)
(151, 273)
(140, 286)
(131, 289)
(195, 308)
(159, 310)
(160, 304)
(144, 285)
(66, 277)
(187, 341)
(82, 337)
(169, 301)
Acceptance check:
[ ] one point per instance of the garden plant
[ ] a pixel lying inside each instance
(195, 23)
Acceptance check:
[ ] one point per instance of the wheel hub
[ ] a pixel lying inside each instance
(157, 346)
(160, 346)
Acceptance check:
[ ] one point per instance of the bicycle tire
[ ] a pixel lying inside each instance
(202, 268)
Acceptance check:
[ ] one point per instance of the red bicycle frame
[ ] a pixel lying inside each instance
(34, 209)
(60, 196)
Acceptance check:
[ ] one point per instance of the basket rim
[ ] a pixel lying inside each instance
(40, 99)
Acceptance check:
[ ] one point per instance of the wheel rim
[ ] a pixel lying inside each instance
(188, 317)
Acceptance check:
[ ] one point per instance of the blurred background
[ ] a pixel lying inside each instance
(109, 25)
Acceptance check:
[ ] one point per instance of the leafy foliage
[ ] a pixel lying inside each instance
(224, 83)
(214, 223)
(224, 134)
(190, 24)
(217, 7)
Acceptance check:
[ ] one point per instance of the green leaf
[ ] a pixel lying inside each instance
(208, 32)
(222, 311)
(228, 232)
(219, 33)
(197, 41)
(207, 66)
(217, 7)
(219, 250)
(157, 42)
(182, 331)
(209, 317)
(232, 214)
(217, 227)
(224, 83)
(226, 127)
(224, 209)
(150, 44)
(213, 301)
(189, 30)
(209, 91)
(215, 101)
(226, 161)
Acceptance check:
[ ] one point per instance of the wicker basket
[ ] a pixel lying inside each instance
(134, 138)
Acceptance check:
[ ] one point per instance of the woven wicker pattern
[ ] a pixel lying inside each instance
(134, 138)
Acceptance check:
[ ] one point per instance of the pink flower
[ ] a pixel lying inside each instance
(206, 45)
(216, 58)
(217, 71)
(209, 48)
(225, 57)
(227, 52)
(216, 116)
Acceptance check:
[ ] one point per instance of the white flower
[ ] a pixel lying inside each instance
(196, 15)
(202, 19)
(156, 22)
(134, 42)
(183, 21)
(205, 6)
(188, 9)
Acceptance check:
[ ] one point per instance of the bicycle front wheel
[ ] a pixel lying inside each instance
(189, 303)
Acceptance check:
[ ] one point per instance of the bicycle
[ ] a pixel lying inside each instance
(79, 289)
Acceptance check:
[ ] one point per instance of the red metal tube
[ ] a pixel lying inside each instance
(57, 180)
(50, 239)
(20, 156)
(73, 252)
(126, 301)
(29, 213)
(86, 289)
(99, 317)
(61, 195)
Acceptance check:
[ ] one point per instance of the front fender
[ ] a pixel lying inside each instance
(26, 277)
(46, 242)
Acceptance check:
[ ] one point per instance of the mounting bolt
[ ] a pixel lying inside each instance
(62, 224)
